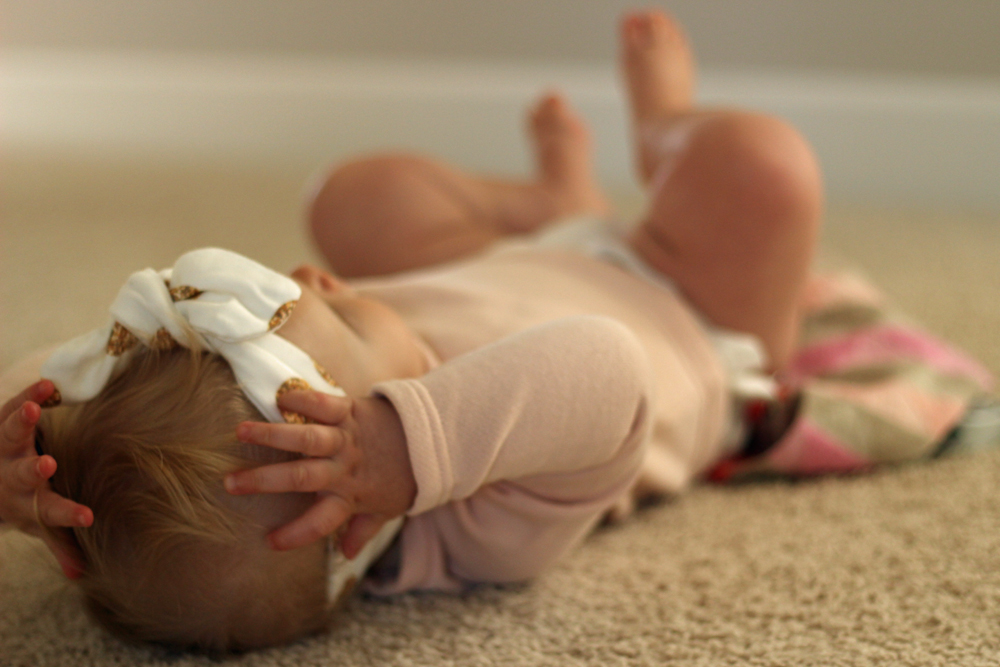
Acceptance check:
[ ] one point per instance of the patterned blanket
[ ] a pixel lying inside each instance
(874, 388)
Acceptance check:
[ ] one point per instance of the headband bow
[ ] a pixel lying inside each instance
(212, 299)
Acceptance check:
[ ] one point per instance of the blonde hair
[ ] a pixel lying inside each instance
(171, 557)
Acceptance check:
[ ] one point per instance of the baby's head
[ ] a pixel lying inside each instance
(156, 394)
(171, 557)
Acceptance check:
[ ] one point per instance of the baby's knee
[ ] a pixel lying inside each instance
(757, 164)
(348, 188)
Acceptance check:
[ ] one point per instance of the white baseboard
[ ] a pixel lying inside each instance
(885, 142)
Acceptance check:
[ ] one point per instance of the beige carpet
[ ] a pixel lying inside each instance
(898, 567)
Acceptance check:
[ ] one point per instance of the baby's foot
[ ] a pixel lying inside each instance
(564, 157)
(659, 73)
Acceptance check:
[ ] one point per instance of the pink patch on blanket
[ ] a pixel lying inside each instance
(809, 450)
(879, 346)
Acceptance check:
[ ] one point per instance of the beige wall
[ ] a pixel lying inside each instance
(937, 37)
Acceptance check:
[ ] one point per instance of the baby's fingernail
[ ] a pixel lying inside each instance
(243, 432)
(275, 543)
(230, 483)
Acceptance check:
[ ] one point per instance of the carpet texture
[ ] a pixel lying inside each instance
(900, 566)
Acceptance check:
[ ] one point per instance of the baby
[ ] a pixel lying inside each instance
(502, 403)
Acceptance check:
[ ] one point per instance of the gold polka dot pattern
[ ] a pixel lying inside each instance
(121, 341)
(54, 399)
(184, 292)
(281, 315)
(323, 373)
(163, 341)
(292, 384)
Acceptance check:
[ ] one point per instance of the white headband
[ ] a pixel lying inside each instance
(213, 299)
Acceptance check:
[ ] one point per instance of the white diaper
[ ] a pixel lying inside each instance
(742, 354)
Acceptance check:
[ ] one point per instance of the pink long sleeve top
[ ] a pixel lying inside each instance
(564, 383)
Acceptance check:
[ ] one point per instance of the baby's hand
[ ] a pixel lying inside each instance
(26, 499)
(357, 463)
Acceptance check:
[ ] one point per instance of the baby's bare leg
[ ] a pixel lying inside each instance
(390, 213)
(735, 197)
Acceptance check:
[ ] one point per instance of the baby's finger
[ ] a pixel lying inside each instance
(18, 429)
(362, 528)
(31, 472)
(67, 554)
(320, 407)
(320, 520)
(303, 476)
(43, 510)
(37, 392)
(307, 439)
(56, 511)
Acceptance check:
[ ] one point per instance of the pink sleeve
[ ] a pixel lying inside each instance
(518, 448)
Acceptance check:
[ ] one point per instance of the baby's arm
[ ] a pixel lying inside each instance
(518, 449)
(520, 446)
